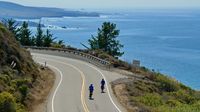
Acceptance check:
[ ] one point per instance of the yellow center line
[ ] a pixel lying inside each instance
(85, 107)
(83, 93)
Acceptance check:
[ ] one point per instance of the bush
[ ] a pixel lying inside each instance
(5, 78)
(153, 100)
(197, 105)
(167, 84)
(181, 108)
(184, 97)
(7, 102)
(20, 82)
(20, 108)
(24, 90)
(3, 29)
(144, 69)
(173, 103)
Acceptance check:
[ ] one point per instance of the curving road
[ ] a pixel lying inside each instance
(73, 77)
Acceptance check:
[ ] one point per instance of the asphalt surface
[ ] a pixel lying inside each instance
(73, 77)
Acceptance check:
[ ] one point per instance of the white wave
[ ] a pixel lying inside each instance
(32, 20)
(104, 16)
(53, 27)
(67, 17)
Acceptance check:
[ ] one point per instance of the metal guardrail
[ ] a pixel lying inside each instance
(79, 53)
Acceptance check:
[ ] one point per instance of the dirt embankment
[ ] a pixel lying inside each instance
(122, 93)
(37, 99)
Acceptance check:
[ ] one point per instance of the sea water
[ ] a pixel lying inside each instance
(166, 41)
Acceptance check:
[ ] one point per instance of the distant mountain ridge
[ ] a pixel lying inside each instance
(13, 10)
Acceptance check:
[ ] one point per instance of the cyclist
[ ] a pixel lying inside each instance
(102, 85)
(91, 90)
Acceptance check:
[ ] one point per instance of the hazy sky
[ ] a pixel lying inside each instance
(98, 4)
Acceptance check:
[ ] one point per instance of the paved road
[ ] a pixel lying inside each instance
(73, 77)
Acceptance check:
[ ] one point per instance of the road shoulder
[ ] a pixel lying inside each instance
(38, 96)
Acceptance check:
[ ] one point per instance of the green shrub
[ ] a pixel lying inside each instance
(152, 100)
(24, 90)
(167, 84)
(20, 82)
(185, 87)
(103, 56)
(181, 108)
(183, 97)
(20, 108)
(7, 102)
(144, 69)
(5, 78)
(3, 29)
(196, 106)
(173, 103)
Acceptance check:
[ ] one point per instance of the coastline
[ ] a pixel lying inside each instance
(162, 48)
(142, 82)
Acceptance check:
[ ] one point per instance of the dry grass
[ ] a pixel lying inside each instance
(124, 90)
(40, 91)
(122, 96)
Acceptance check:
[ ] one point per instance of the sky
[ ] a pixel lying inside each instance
(110, 4)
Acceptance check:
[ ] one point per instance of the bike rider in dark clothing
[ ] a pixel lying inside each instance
(102, 85)
(91, 90)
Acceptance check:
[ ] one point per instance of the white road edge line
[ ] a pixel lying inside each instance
(55, 92)
(106, 85)
(83, 82)
(99, 72)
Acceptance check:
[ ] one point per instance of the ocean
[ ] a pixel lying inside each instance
(167, 41)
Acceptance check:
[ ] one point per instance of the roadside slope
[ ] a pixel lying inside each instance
(155, 92)
(19, 76)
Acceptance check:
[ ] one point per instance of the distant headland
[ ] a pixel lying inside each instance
(12, 10)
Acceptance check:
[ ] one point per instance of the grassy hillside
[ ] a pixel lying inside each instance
(155, 92)
(19, 75)
(147, 91)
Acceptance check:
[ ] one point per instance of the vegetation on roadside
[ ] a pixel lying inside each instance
(155, 92)
(18, 73)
